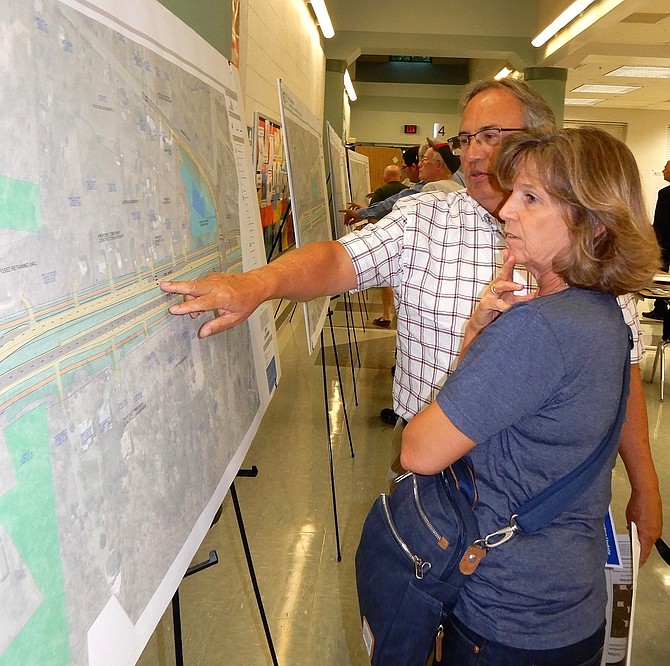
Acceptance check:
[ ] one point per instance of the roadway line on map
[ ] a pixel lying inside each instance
(73, 314)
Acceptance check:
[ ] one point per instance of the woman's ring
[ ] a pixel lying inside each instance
(493, 290)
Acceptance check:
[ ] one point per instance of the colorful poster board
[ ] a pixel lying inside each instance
(272, 186)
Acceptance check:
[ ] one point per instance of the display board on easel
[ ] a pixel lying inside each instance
(339, 179)
(359, 176)
(272, 185)
(309, 194)
(120, 430)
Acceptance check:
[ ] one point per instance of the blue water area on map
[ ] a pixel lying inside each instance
(202, 212)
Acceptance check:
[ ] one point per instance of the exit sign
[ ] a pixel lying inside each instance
(411, 129)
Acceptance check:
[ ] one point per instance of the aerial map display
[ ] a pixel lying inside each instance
(309, 194)
(339, 180)
(125, 162)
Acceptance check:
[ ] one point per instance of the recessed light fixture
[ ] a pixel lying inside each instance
(349, 86)
(319, 7)
(642, 72)
(505, 71)
(605, 89)
(574, 10)
(584, 101)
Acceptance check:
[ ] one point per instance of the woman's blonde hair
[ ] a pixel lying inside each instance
(595, 181)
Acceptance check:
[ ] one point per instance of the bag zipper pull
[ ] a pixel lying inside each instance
(438, 644)
(420, 567)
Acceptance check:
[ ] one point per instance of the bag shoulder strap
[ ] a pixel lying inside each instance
(543, 508)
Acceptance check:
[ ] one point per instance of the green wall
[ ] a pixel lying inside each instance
(211, 19)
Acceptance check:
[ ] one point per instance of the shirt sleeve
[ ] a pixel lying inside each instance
(628, 306)
(500, 381)
(375, 251)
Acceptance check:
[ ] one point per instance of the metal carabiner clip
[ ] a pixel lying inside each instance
(499, 537)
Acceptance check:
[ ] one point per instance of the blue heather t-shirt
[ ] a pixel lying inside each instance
(537, 391)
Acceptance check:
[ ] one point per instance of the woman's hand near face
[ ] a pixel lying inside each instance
(497, 297)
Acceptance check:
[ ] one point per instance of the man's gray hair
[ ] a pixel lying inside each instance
(536, 112)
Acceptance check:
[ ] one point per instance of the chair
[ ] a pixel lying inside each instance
(660, 352)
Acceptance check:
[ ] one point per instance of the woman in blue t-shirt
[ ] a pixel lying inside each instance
(537, 388)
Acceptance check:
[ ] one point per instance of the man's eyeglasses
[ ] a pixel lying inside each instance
(489, 136)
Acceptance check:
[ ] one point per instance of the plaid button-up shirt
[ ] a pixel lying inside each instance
(439, 252)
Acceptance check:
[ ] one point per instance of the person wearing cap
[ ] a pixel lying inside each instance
(455, 146)
(437, 167)
(356, 213)
(410, 166)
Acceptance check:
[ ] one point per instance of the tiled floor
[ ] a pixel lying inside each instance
(309, 596)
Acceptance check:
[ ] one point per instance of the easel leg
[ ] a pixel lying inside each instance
(330, 448)
(176, 623)
(351, 354)
(360, 307)
(339, 378)
(252, 573)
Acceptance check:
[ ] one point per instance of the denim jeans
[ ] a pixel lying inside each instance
(465, 648)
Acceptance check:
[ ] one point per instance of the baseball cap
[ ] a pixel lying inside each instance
(410, 155)
(452, 161)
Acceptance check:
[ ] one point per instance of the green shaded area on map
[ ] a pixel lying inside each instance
(19, 205)
(28, 512)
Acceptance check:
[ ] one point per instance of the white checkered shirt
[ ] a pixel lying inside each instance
(439, 252)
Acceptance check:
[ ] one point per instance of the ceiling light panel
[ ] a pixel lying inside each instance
(642, 72)
(581, 101)
(605, 89)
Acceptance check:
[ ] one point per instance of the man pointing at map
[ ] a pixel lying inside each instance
(458, 229)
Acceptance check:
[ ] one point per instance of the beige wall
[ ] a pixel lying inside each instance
(646, 136)
(280, 39)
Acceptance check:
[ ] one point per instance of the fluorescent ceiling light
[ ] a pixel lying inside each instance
(505, 71)
(575, 9)
(319, 7)
(605, 89)
(642, 72)
(349, 86)
(584, 101)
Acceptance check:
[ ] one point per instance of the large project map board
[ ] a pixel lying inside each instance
(339, 179)
(309, 194)
(359, 176)
(125, 161)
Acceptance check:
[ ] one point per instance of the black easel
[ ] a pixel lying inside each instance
(339, 376)
(176, 611)
(253, 472)
(330, 449)
(213, 559)
(275, 240)
(349, 309)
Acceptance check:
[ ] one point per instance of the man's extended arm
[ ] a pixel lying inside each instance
(644, 507)
(318, 269)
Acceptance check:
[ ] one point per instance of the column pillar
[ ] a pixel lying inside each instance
(550, 83)
(333, 104)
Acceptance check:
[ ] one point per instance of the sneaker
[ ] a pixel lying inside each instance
(654, 314)
(388, 416)
(381, 322)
